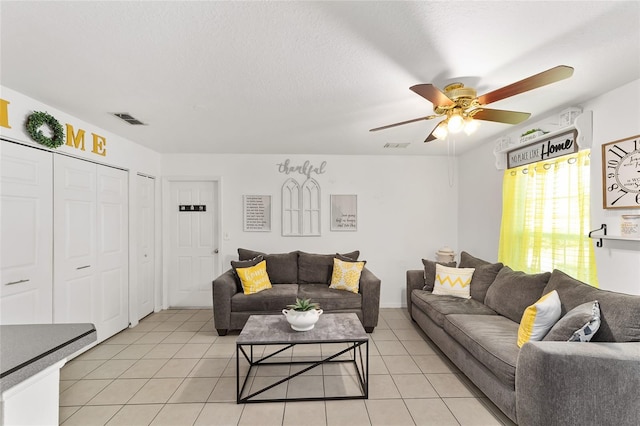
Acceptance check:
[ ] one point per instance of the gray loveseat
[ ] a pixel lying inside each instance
(293, 275)
(544, 382)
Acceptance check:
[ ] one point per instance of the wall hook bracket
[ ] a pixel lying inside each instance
(602, 228)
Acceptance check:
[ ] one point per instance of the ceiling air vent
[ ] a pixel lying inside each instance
(397, 145)
(128, 118)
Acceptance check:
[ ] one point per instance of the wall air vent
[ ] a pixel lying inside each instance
(397, 145)
(129, 118)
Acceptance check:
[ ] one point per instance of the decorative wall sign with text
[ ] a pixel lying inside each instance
(307, 168)
(257, 213)
(344, 212)
(555, 146)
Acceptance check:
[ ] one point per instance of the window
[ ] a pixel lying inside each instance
(545, 217)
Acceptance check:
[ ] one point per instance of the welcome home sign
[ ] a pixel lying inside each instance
(555, 146)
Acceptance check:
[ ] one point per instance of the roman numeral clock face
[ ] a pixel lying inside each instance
(621, 173)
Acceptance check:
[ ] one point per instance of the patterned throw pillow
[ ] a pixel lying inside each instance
(538, 318)
(453, 281)
(584, 317)
(254, 279)
(586, 332)
(346, 275)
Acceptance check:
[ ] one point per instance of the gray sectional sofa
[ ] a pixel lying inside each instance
(293, 275)
(548, 382)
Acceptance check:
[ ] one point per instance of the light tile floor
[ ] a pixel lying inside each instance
(173, 369)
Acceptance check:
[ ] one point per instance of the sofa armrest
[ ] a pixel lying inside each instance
(561, 383)
(415, 281)
(224, 287)
(370, 291)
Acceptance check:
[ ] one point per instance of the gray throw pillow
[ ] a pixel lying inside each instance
(483, 277)
(578, 325)
(513, 291)
(468, 261)
(318, 268)
(430, 272)
(282, 268)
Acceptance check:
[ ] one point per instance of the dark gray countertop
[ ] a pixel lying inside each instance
(25, 350)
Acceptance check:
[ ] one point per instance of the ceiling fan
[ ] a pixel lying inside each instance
(461, 106)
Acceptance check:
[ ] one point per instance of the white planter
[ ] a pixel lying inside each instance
(302, 320)
(530, 136)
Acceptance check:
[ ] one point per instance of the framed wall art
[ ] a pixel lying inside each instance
(344, 212)
(256, 211)
(621, 174)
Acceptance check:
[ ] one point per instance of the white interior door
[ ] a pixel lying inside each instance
(74, 212)
(112, 262)
(193, 243)
(146, 245)
(91, 261)
(26, 252)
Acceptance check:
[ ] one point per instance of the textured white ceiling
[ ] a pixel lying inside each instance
(305, 77)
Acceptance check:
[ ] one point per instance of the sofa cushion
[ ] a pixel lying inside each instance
(484, 275)
(317, 268)
(512, 291)
(437, 306)
(619, 313)
(468, 261)
(538, 318)
(491, 339)
(430, 272)
(329, 299)
(281, 267)
(274, 299)
(453, 281)
(587, 314)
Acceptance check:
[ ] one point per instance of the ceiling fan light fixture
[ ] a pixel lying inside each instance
(455, 123)
(470, 125)
(441, 132)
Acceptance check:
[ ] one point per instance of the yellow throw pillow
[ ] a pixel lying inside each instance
(538, 318)
(453, 281)
(346, 275)
(254, 278)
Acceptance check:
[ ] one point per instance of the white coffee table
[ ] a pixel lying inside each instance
(274, 330)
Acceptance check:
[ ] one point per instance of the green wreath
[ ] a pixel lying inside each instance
(39, 118)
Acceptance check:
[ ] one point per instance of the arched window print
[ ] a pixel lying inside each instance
(300, 208)
(290, 207)
(310, 207)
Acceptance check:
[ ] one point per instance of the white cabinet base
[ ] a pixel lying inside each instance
(34, 401)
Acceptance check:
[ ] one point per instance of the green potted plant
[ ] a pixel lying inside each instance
(302, 315)
(531, 135)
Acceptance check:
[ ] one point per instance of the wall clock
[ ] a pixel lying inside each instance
(621, 173)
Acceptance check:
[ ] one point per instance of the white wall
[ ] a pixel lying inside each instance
(121, 153)
(406, 209)
(616, 115)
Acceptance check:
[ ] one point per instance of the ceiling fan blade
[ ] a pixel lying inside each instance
(431, 136)
(432, 94)
(428, 117)
(501, 116)
(542, 79)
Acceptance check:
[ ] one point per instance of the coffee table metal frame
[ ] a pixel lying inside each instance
(283, 335)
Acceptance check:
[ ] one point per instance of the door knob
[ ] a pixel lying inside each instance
(215, 251)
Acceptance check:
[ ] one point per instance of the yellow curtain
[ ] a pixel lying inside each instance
(545, 218)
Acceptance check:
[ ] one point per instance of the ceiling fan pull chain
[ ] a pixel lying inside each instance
(451, 156)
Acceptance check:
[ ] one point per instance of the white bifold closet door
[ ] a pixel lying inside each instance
(26, 219)
(91, 263)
